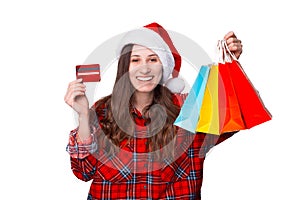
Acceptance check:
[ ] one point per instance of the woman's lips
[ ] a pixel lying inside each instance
(144, 78)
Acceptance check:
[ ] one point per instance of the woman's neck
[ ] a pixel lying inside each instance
(142, 99)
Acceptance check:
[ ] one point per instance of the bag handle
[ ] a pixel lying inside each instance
(221, 52)
(225, 55)
(227, 51)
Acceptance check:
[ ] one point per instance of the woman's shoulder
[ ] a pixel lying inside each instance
(179, 98)
(100, 107)
(101, 103)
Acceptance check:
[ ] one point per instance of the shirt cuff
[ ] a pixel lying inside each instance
(81, 148)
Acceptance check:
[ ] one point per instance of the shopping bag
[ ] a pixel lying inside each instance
(227, 102)
(208, 121)
(252, 107)
(189, 113)
(230, 117)
(220, 110)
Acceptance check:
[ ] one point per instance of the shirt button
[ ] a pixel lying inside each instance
(145, 186)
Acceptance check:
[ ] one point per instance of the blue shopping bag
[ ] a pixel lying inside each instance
(189, 113)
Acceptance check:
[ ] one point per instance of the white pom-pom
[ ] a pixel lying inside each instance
(176, 85)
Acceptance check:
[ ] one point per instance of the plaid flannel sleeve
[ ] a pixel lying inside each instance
(210, 140)
(225, 136)
(81, 148)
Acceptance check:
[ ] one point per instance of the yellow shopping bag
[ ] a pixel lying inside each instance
(209, 113)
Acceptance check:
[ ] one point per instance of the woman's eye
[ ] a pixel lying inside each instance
(153, 59)
(134, 60)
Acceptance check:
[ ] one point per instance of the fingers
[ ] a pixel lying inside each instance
(229, 35)
(76, 81)
(75, 88)
(233, 40)
(233, 43)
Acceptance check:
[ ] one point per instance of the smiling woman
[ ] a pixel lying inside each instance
(145, 69)
(127, 142)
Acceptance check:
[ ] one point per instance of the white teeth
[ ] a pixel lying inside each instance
(148, 78)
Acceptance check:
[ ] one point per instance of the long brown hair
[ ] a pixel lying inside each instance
(118, 123)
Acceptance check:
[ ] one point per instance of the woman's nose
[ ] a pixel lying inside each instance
(145, 69)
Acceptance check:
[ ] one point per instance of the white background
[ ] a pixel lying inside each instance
(42, 41)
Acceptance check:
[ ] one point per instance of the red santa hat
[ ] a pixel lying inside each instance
(156, 38)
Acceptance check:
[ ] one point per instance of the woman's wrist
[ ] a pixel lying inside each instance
(84, 114)
(84, 126)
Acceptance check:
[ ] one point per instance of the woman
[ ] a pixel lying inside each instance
(127, 143)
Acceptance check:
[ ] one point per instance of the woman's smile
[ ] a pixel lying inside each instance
(144, 78)
(145, 69)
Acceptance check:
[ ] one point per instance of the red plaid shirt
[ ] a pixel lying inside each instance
(131, 174)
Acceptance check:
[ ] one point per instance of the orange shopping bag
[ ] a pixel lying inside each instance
(230, 117)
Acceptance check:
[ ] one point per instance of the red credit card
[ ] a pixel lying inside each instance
(88, 73)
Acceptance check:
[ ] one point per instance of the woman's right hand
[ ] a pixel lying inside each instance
(76, 98)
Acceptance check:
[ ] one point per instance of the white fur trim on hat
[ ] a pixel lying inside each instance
(152, 40)
(175, 85)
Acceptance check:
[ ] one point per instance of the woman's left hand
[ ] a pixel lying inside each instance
(234, 44)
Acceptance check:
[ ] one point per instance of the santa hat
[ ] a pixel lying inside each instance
(156, 38)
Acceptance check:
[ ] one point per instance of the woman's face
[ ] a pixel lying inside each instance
(145, 69)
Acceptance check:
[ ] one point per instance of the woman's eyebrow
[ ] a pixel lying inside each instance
(152, 55)
(147, 56)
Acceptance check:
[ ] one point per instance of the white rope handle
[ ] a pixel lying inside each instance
(224, 54)
(227, 51)
(220, 52)
(227, 57)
